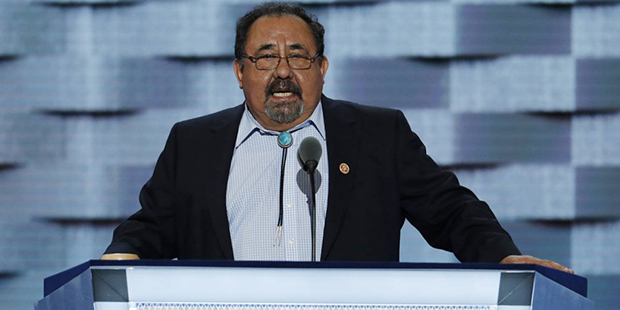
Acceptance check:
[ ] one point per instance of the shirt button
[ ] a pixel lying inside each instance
(289, 205)
(291, 241)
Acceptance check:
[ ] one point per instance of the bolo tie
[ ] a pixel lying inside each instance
(285, 140)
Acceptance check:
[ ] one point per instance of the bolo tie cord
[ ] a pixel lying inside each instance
(278, 237)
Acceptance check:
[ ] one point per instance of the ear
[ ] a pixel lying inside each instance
(238, 66)
(324, 66)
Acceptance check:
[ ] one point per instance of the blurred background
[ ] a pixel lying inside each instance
(520, 98)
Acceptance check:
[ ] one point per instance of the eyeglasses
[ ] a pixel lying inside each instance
(272, 61)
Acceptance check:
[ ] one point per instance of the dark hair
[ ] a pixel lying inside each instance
(277, 9)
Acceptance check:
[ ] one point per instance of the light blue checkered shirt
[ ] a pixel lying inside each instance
(253, 193)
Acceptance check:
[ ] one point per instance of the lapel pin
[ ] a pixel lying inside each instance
(344, 168)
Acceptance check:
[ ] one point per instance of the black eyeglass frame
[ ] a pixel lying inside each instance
(256, 59)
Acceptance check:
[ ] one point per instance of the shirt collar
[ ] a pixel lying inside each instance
(249, 125)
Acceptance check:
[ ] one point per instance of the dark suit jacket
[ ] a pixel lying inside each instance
(391, 179)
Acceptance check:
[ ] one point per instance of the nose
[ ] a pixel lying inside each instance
(283, 70)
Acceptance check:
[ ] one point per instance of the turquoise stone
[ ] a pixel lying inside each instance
(285, 139)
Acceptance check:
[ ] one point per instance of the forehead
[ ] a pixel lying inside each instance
(288, 30)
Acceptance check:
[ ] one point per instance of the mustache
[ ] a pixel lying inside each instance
(283, 85)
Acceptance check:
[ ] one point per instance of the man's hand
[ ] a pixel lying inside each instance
(526, 259)
(119, 256)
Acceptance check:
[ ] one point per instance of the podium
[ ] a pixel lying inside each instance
(229, 285)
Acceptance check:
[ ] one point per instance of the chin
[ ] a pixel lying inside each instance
(284, 112)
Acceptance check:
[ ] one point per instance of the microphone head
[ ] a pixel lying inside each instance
(309, 153)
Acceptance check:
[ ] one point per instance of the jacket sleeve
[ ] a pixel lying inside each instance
(150, 232)
(448, 215)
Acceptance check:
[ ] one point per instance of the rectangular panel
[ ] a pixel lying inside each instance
(597, 84)
(595, 250)
(387, 82)
(393, 28)
(505, 138)
(188, 28)
(265, 285)
(93, 83)
(509, 29)
(31, 29)
(531, 191)
(595, 28)
(513, 84)
(596, 139)
(598, 192)
(74, 191)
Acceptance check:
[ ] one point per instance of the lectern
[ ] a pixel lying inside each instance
(227, 285)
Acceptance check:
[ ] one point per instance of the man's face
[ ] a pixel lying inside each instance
(282, 97)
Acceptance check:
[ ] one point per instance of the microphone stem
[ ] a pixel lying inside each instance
(313, 216)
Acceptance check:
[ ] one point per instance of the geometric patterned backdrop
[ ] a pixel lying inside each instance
(520, 98)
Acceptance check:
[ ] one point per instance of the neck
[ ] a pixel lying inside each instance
(275, 126)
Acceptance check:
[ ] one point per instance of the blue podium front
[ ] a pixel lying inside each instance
(227, 285)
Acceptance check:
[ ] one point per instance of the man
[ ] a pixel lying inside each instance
(214, 193)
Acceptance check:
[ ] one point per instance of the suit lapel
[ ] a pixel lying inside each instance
(220, 146)
(343, 143)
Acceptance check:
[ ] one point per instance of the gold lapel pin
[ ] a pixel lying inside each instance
(344, 168)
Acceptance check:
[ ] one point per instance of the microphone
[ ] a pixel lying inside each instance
(309, 153)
